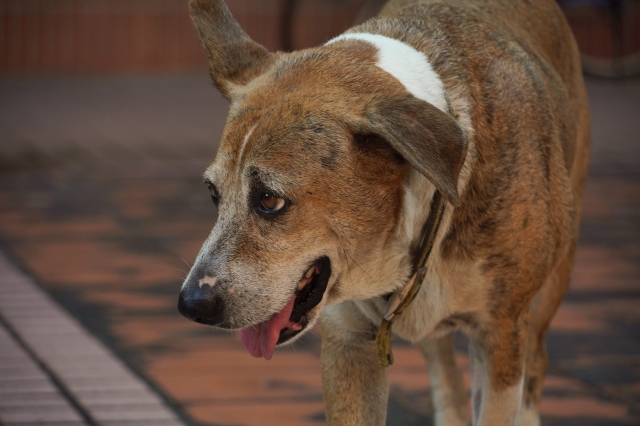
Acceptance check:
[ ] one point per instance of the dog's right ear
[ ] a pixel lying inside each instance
(429, 139)
(234, 59)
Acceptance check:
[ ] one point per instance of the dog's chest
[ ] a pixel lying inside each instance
(450, 290)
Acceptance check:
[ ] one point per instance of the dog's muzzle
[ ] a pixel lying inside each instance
(200, 302)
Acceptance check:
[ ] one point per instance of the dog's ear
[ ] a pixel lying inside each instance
(429, 139)
(234, 59)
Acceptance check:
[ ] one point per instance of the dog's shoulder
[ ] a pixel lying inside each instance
(515, 65)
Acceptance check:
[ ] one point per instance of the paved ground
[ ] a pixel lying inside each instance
(53, 372)
(101, 203)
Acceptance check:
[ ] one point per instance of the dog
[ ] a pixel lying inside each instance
(324, 180)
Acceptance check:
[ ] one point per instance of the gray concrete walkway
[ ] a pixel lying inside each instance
(53, 372)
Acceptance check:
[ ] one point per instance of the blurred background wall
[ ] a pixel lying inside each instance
(103, 36)
(608, 34)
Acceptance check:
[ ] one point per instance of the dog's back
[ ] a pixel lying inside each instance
(541, 28)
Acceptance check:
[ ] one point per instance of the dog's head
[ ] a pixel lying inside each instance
(308, 181)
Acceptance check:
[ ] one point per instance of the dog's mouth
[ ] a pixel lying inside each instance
(261, 339)
(308, 295)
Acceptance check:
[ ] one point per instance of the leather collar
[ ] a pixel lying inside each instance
(401, 298)
(398, 301)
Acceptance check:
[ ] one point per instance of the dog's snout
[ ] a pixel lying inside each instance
(201, 303)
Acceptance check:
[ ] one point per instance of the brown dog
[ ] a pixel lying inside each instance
(324, 177)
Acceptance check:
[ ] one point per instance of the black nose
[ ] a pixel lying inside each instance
(201, 305)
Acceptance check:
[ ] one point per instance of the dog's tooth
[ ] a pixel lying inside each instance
(303, 282)
(310, 272)
(307, 277)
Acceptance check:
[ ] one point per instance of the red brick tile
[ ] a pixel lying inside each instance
(599, 268)
(261, 414)
(198, 231)
(134, 202)
(16, 225)
(150, 330)
(125, 300)
(234, 374)
(86, 263)
(577, 318)
(562, 383)
(585, 407)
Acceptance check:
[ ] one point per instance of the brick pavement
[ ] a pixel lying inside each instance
(111, 241)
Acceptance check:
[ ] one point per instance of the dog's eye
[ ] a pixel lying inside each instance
(215, 197)
(267, 203)
(270, 202)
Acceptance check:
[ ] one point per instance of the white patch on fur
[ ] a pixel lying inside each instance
(409, 66)
(478, 374)
(528, 416)
(499, 407)
(418, 192)
(244, 142)
(445, 382)
(207, 280)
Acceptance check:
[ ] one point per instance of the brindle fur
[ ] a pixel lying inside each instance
(342, 139)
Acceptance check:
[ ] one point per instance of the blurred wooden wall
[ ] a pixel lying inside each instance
(103, 36)
(608, 35)
(602, 34)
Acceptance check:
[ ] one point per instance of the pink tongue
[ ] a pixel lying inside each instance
(260, 339)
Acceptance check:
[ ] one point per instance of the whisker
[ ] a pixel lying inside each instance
(356, 263)
(312, 332)
(346, 257)
(181, 270)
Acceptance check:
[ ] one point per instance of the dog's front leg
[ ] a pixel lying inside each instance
(447, 388)
(354, 385)
(497, 370)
